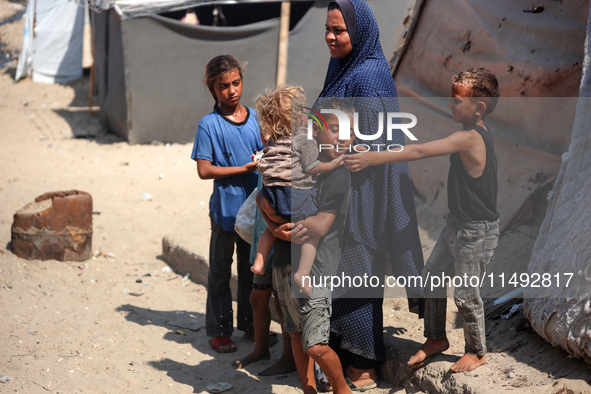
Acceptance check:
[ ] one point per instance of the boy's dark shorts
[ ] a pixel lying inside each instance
(292, 204)
(263, 282)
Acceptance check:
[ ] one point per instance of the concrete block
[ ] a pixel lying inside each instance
(184, 260)
(57, 225)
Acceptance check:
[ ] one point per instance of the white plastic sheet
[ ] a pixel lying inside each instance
(52, 41)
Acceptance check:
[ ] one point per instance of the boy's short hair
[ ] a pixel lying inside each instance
(341, 104)
(276, 108)
(482, 83)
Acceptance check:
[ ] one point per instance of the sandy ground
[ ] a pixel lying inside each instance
(73, 327)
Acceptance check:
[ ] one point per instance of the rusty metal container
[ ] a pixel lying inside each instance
(57, 225)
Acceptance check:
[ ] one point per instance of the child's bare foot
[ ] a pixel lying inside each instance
(283, 366)
(258, 267)
(299, 279)
(468, 362)
(429, 348)
(251, 358)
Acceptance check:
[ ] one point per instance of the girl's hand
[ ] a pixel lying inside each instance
(358, 161)
(252, 166)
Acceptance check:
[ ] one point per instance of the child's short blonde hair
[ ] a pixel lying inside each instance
(278, 108)
(482, 83)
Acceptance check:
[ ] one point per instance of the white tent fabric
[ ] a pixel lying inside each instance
(560, 314)
(25, 60)
(52, 41)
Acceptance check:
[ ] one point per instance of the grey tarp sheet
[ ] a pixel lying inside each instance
(110, 75)
(135, 8)
(162, 97)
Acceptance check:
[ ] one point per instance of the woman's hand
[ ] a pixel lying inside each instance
(284, 231)
(358, 161)
(298, 234)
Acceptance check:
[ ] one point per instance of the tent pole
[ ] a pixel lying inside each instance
(283, 42)
(92, 70)
(34, 18)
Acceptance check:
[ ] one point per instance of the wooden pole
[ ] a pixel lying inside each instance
(34, 20)
(283, 43)
(92, 70)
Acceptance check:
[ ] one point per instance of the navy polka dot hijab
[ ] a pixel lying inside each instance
(367, 57)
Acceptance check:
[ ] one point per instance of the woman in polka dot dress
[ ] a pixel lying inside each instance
(382, 225)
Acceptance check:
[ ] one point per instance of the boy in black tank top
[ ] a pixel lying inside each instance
(468, 240)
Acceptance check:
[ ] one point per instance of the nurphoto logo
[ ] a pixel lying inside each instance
(342, 120)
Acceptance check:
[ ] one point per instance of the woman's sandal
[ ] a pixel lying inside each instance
(222, 344)
(360, 389)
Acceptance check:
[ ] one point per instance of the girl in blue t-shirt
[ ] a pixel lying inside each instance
(226, 140)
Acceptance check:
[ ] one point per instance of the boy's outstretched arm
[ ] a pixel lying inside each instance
(460, 141)
(321, 168)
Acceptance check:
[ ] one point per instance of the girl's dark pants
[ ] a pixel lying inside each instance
(219, 313)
